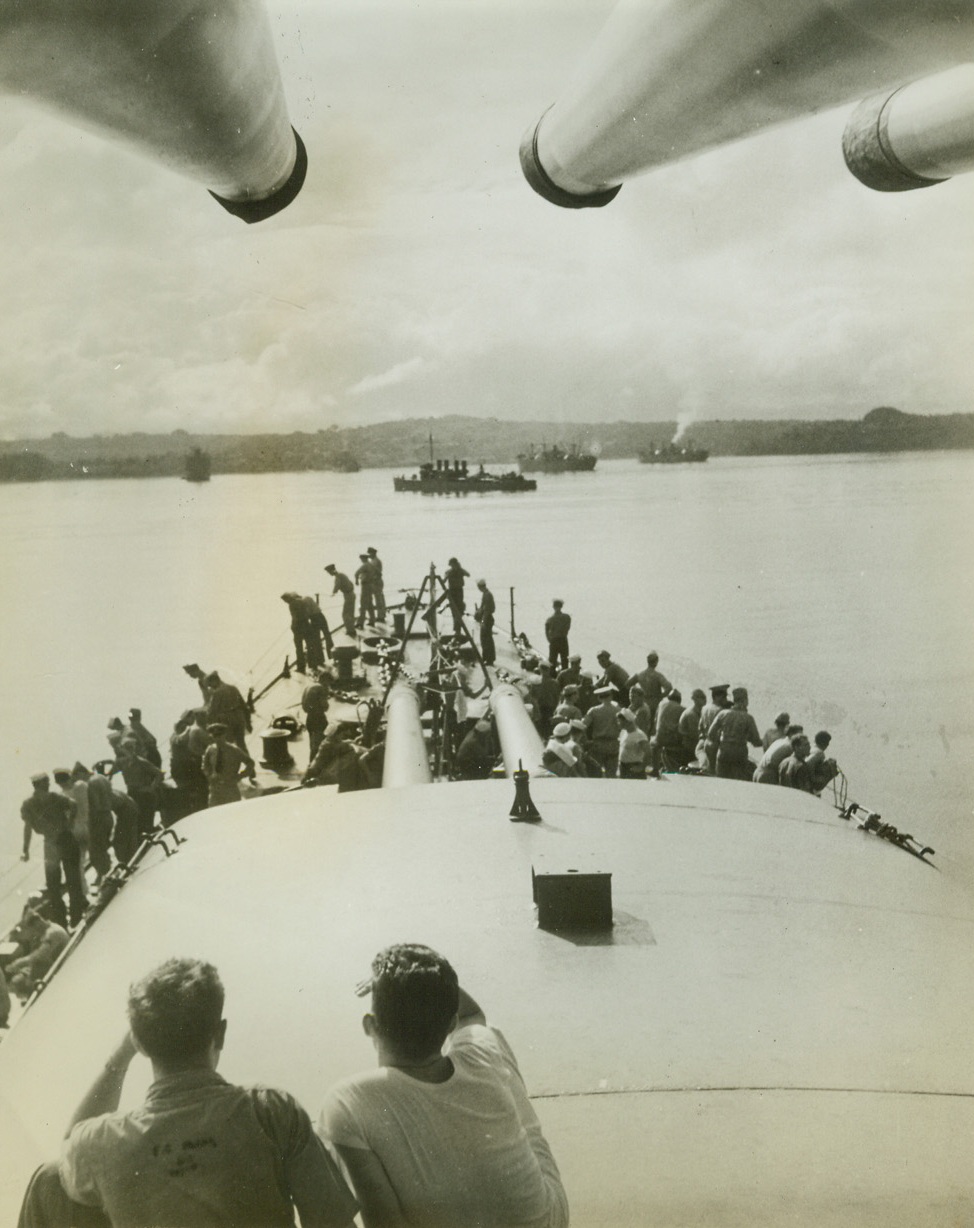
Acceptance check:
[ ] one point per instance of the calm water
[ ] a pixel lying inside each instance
(839, 588)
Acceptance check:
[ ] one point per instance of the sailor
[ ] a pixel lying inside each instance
(766, 773)
(666, 742)
(40, 942)
(98, 793)
(793, 772)
(546, 696)
(299, 629)
(707, 750)
(778, 730)
(633, 747)
(476, 754)
(453, 579)
(586, 691)
(222, 764)
(199, 1149)
(654, 685)
(344, 586)
(143, 781)
(484, 615)
(820, 768)
(615, 676)
(226, 706)
(558, 759)
(200, 676)
(556, 629)
(602, 727)
(689, 726)
(640, 709)
(573, 673)
(365, 577)
(732, 730)
(186, 764)
(49, 815)
(568, 709)
(314, 701)
(125, 833)
(380, 595)
(148, 746)
(443, 1132)
(337, 761)
(77, 793)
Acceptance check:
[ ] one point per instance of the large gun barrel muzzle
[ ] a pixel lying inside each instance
(668, 79)
(914, 136)
(406, 759)
(193, 84)
(520, 741)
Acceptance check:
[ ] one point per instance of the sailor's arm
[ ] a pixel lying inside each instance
(468, 1010)
(25, 850)
(106, 1091)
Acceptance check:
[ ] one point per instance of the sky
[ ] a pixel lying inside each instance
(417, 275)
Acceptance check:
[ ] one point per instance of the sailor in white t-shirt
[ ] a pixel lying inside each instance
(442, 1134)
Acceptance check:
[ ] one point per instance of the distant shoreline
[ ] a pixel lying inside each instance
(404, 445)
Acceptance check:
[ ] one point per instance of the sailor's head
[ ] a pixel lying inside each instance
(289, 597)
(675, 696)
(452, 563)
(575, 659)
(371, 550)
(637, 692)
(782, 720)
(481, 584)
(699, 697)
(62, 777)
(558, 603)
(652, 660)
(739, 695)
(41, 782)
(719, 692)
(135, 714)
(822, 739)
(561, 731)
(415, 1001)
(604, 657)
(330, 567)
(176, 1013)
(800, 746)
(80, 772)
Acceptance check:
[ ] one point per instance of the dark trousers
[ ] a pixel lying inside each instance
(558, 651)
(47, 1205)
(63, 856)
(487, 650)
(99, 838)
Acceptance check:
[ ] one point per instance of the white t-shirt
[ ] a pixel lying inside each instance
(465, 1152)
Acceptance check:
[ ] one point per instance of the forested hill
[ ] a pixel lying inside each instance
(405, 444)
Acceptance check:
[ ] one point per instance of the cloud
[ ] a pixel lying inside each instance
(402, 372)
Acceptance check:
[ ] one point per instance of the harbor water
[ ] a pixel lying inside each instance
(838, 588)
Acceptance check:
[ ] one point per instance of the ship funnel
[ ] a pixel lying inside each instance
(667, 79)
(406, 761)
(519, 739)
(194, 85)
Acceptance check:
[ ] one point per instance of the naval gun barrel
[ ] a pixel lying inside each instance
(195, 85)
(915, 136)
(406, 760)
(520, 741)
(667, 79)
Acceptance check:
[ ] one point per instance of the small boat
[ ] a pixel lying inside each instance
(198, 466)
(557, 460)
(671, 454)
(442, 477)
